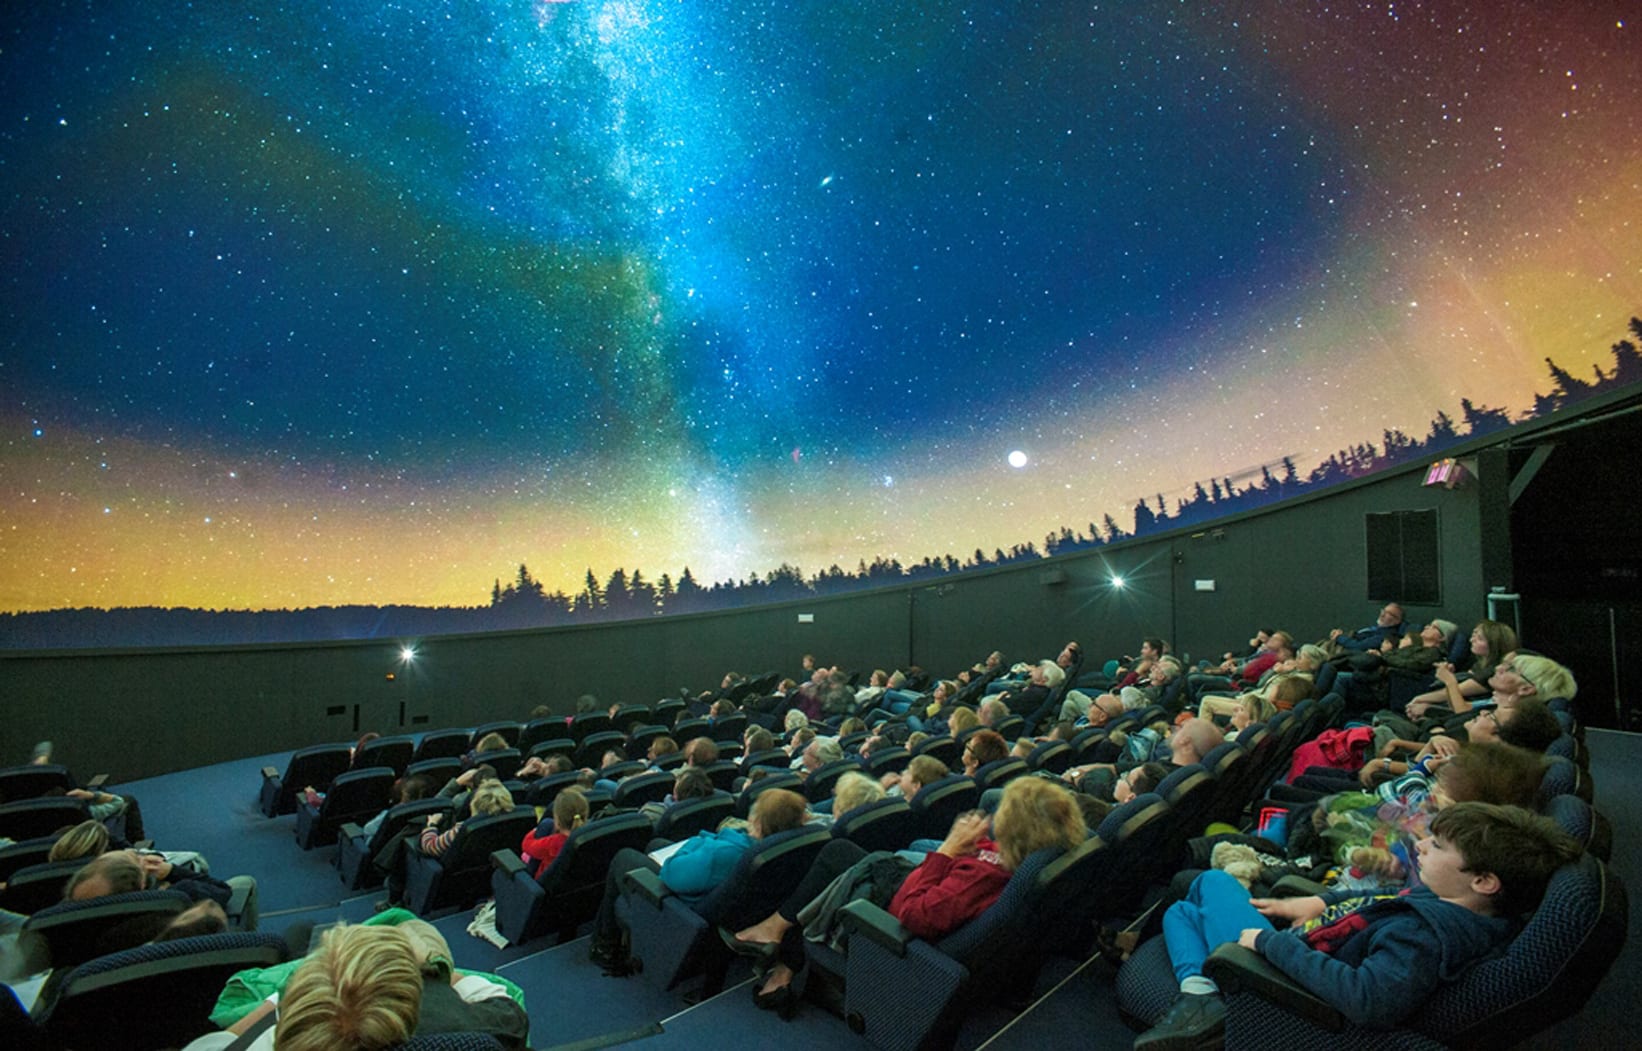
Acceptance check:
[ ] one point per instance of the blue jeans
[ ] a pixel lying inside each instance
(1215, 911)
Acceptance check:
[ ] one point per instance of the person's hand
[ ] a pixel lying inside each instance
(1246, 939)
(967, 829)
(1407, 642)
(154, 865)
(1294, 910)
(1385, 646)
(1336, 633)
(1444, 746)
(1415, 709)
(1369, 775)
(465, 778)
(1445, 674)
(81, 793)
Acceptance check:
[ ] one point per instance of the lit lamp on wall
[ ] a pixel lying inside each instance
(1448, 473)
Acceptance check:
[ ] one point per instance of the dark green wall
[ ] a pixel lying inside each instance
(1300, 566)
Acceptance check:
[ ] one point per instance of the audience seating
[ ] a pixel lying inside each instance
(439, 769)
(591, 747)
(363, 862)
(672, 940)
(33, 888)
(69, 933)
(566, 893)
(702, 814)
(786, 779)
(34, 818)
(944, 748)
(936, 805)
(460, 876)
(31, 781)
(903, 993)
(15, 856)
(442, 744)
(395, 753)
(509, 731)
(548, 728)
(357, 795)
(884, 824)
(317, 766)
(1000, 772)
(889, 759)
(584, 724)
(639, 789)
(1545, 975)
(819, 785)
(112, 1003)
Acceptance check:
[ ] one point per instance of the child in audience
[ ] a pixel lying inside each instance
(543, 843)
(1374, 957)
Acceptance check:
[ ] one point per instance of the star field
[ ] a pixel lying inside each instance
(312, 304)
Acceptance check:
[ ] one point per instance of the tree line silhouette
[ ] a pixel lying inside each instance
(524, 602)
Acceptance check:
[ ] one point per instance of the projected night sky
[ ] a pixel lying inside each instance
(317, 303)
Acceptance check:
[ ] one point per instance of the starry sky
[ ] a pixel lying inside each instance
(319, 303)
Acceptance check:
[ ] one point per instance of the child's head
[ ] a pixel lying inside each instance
(1486, 772)
(1506, 855)
(569, 810)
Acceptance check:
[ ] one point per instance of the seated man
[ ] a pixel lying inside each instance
(1373, 957)
(1388, 627)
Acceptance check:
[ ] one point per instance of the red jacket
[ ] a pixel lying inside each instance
(945, 893)
(539, 851)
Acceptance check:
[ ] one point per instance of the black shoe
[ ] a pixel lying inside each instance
(783, 1001)
(1196, 1021)
(757, 950)
(611, 958)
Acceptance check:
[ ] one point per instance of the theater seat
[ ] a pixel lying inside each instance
(362, 861)
(461, 875)
(567, 893)
(355, 796)
(1546, 974)
(317, 766)
(153, 996)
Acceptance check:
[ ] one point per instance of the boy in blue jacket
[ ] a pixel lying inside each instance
(1373, 957)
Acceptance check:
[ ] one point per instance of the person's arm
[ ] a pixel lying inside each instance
(951, 887)
(1395, 975)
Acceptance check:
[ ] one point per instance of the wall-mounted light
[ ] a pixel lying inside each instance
(1117, 583)
(407, 654)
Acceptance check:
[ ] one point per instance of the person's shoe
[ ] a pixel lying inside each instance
(757, 950)
(611, 958)
(1197, 1021)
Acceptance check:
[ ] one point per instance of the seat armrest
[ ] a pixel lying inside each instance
(507, 862)
(270, 772)
(646, 885)
(349, 830)
(1235, 969)
(1296, 887)
(864, 919)
(96, 783)
(143, 844)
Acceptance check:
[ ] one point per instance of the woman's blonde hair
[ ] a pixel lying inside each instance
(962, 719)
(360, 991)
(85, 840)
(1035, 814)
(795, 720)
(491, 797)
(853, 790)
(491, 742)
(1549, 678)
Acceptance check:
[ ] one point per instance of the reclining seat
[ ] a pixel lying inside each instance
(355, 796)
(672, 940)
(1546, 974)
(441, 744)
(36, 887)
(652, 787)
(937, 805)
(565, 894)
(364, 862)
(461, 875)
(317, 766)
(395, 753)
(702, 814)
(65, 935)
(32, 781)
(883, 824)
(154, 996)
(903, 993)
(34, 818)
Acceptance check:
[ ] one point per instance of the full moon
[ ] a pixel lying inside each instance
(1017, 459)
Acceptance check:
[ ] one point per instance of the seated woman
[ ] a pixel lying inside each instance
(922, 770)
(405, 790)
(853, 790)
(1518, 677)
(692, 870)
(1280, 693)
(491, 797)
(1491, 642)
(129, 871)
(954, 884)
